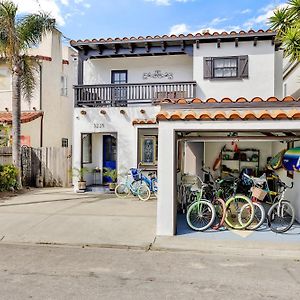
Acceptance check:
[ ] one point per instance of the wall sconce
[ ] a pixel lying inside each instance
(6, 108)
(83, 112)
(142, 111)
(102, 112)
(122, 111)
(34, 108)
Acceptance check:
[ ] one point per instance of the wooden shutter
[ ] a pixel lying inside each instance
(243, 66)
(207, 67)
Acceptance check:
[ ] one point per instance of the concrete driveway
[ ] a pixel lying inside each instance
(56, 215)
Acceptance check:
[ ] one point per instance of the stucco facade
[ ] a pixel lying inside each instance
(55, 60)
(122, 109)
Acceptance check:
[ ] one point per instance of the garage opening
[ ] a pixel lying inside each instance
(226, 157)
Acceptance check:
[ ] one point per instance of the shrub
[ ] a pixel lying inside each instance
(8, 178)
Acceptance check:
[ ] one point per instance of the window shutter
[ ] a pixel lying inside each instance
(243, 66)
(207, 67)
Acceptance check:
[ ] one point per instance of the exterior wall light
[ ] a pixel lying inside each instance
(83, 112)
(122, 111)
(142, 111)
(102, 112)
(6, 108)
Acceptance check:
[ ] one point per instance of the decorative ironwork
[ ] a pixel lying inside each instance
(158, 74)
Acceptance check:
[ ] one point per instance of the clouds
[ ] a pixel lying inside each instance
(56, 8)
(167, 2)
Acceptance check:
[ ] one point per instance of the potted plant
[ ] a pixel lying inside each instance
(79, 173)
(113, 175)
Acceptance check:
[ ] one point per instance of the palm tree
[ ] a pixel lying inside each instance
(286, 21)
(17, 35)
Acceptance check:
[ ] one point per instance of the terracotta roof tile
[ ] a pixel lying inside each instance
(26, 117)
(230, 115)
(143, 121)
(228, 100)
(173, 36)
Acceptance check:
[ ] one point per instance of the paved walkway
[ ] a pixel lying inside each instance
(59, 216)
(54, 215)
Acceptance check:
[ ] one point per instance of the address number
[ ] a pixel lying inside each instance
(98, 125)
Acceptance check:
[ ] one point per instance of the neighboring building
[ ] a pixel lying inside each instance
(291, 78)
(47, 117)
(122, 117)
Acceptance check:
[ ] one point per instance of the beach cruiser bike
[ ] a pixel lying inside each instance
(281, 215)
(201, 213)
(132, 186)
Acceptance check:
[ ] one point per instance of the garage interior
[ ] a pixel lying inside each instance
(231, 153)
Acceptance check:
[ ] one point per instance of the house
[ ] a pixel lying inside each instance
(173, 103)
(47, 117)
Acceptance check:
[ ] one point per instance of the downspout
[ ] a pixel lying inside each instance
(41, 102)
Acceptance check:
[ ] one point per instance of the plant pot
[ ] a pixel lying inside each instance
(112, 186)
(81, 185)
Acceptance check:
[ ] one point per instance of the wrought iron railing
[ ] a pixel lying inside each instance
(131, 93)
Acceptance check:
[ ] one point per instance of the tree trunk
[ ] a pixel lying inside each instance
(16, 124)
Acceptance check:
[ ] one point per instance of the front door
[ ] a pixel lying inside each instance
(109, 154)
(119, 92)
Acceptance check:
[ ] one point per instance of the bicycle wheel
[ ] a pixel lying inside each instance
(220, 208)
(135, 186)
(281, 216)
(233, 209)
(200, 215)
(122, 190)
(259, 215)
(144, 192)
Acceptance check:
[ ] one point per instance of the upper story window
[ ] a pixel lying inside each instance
(64, 85)
(5, 78)
(226, 67)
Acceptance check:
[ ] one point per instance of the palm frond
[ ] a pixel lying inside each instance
(31, 29)
(294, 8)
(28, 76)
(280, 21)
(8, 38)
(291, 43)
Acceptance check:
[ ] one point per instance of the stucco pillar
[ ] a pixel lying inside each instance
(76, 159)
(166, 214)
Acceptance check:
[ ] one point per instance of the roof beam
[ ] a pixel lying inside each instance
(236, 42)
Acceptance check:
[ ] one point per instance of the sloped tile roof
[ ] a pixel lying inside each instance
(228, 100)
(171, 37)
(26, 117)
(229, 115)
(144, 121)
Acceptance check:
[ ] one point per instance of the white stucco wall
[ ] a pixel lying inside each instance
(166, 206)
(98, 71)
(112, 122)
(291, 80)
(261, 81)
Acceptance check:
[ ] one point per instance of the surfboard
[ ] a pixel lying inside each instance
(275, 162)
(291, 159)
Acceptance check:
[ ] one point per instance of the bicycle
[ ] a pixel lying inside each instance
(281, 215)
(134, 187)
(236, 218)
(201, 213)
(257, 193)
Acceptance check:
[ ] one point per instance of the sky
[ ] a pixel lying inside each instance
(87, 19)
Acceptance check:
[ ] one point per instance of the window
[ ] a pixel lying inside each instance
(149, 150)
(64, 143)
(234, 67)
(5, 78)
(225, 67)
(64, 85)
(86, 144)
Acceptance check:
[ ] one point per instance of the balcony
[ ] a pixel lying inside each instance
(131, 94)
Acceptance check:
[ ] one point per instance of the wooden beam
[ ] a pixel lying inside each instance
(219, 43)
(268, 134)
(236, 41)
(131, 47)
(100, 50)
(182, 45)
(287, 133)
(147, 48)
(163, 46)
(255, 41)
(115, 49)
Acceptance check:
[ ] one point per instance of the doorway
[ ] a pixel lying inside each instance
(109, 155)
(119, 78)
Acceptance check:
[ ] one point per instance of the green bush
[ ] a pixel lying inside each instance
(8, 178)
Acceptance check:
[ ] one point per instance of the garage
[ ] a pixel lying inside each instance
(228, 138)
